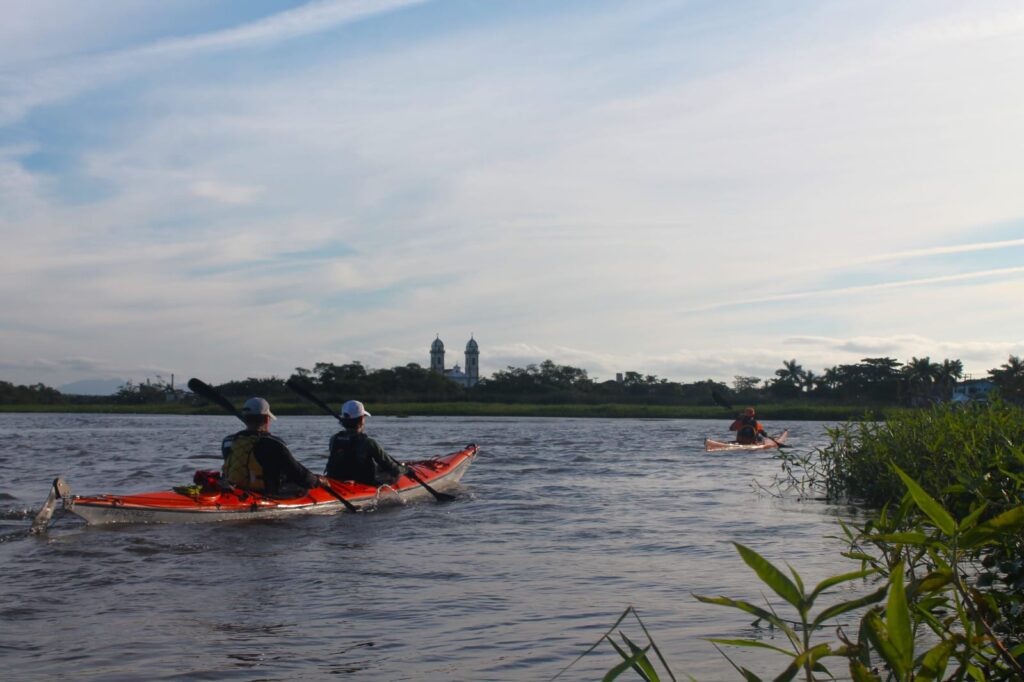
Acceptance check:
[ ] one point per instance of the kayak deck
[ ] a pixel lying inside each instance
(768, 444)
(214, 504)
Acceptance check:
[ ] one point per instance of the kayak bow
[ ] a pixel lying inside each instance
(199, 504)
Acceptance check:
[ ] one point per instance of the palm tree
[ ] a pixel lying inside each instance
(791, 373)
(810, 380)
(921, 374)
(1009, 377)
(949, 372)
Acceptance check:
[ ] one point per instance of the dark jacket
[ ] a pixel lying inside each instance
(282, 474)
(357, 457)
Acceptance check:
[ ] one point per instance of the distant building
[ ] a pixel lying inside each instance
(972, 390)
(469, 377)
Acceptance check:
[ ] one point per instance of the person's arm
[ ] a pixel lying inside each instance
(385, 462)
(279, 464)
(735, 426)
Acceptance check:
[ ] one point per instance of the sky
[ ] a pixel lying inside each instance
(691, 189)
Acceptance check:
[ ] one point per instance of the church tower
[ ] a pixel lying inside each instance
(437, 356)
(472, 362)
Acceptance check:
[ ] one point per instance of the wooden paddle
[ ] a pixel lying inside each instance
(305, 393)
(719, 400)
(203, 389)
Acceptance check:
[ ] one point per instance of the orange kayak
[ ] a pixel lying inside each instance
(768, 444)
(214, 503)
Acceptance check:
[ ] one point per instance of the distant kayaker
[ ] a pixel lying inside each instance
(357, 457)
(748, 429)
(255, 460)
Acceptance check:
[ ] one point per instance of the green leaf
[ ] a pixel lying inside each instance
(619, 669)
(838, 579)
(752, 643)
(629, 661)
(1011, 521)
(933, 663)
(752, 610)
(643, 662)
(861, 673)
(939, 516)
(971, 519)
(876, 632)
(897, 620)
(839, 609)
(771, 576)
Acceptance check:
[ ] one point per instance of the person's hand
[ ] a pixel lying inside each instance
(321, 480)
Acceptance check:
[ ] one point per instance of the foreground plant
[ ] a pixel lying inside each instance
(806, 657)
(634, 657)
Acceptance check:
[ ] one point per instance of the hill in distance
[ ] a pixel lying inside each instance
(92, 387)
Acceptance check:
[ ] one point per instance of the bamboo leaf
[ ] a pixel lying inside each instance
(771, 576)
(838, 579)
(751, 643)
(860, 672)
(897, 620)
(878, 635)
(839, 609)
(745, 606)
(971, 519)
(1008, 522)
(939, 516)
(933, 663)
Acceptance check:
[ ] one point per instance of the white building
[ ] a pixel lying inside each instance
(972, 390)
(469, 377)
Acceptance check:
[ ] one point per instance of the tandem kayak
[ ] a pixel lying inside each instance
(197, 503)
(768, 444)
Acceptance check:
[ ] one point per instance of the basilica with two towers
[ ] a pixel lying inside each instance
(466, 378)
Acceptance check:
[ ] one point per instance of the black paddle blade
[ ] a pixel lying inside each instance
(203, 389)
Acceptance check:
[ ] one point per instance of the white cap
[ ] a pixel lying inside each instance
(354, 409)
(254, 406)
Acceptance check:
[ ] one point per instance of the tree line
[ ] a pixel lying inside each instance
(882, 381)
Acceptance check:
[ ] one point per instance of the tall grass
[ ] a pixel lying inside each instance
(951, 452)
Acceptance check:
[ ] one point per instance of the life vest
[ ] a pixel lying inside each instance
(747, 433)
(241, 468)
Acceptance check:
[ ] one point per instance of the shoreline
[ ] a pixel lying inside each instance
(466, 409)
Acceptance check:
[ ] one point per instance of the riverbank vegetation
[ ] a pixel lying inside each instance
(941, 560)
(874, 385)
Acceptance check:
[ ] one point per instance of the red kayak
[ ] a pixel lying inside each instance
(209, 501)
(768, 444)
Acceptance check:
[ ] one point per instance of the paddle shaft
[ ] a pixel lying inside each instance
(210, 393)
(302, 391)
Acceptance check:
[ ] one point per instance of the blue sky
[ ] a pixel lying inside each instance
(686, 189)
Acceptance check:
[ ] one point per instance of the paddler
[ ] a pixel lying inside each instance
(748, 430)
(258, 461)
(357, 457)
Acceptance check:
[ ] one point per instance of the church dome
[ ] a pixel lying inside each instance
(437, 345)
(471, 346)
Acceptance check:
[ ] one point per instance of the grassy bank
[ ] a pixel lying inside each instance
(767, 413)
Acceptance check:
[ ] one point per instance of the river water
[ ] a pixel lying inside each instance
(559, 526)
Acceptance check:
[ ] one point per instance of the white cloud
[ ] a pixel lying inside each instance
(555, 197)
(236, 195)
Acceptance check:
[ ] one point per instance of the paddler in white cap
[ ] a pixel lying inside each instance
(357, 457)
